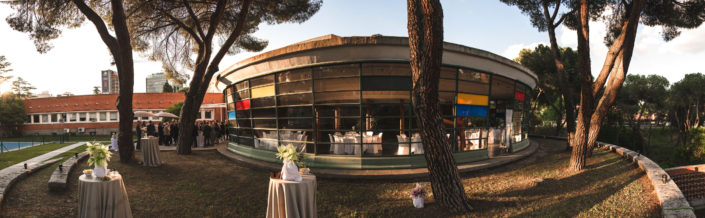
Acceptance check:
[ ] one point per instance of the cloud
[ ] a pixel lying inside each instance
(512, 51)
(689, 42)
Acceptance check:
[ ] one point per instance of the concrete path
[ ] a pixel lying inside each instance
(12, 174)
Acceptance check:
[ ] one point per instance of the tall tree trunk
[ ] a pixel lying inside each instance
(590, 117)
(126, 77)
(205, 69)
(425, 26)
(577, 157)
(566, 91)
(620, 69)
(121, 50)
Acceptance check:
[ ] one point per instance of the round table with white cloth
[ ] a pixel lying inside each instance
(291, 198)
(98, 198)
(150, 152)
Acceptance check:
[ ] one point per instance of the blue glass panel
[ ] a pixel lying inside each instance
(231, 115)
(471, 111)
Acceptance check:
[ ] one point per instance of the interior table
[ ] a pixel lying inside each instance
(150, 152)
(98, 198)
(292, 199)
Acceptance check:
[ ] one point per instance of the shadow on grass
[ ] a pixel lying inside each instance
(570, 196)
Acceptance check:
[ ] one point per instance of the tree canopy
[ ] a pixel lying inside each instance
(599, 93)
(4, 69)
(194, 36)
(540, 60)
(22, 88)
(180, 33)
(44, 21)
(12, 112)
(167, 88)
(643, 94)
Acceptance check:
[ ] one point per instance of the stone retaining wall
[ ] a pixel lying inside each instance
(9, 179)
(59, 178)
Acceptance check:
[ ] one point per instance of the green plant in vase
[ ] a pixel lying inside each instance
(99, 157)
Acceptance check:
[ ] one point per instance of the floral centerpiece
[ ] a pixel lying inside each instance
(99, 157)
(289, 155)
(417, 195)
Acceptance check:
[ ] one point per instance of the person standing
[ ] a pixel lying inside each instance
(150, 129)
(138, 130)
(167, 134)
(214, 133)
(207, 134)
(160, 133)
(175, 131)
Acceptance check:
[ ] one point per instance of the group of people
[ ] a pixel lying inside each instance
(209, 132)
(167, 132)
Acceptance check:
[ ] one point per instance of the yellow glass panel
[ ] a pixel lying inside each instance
(472, 99)
(263, 91)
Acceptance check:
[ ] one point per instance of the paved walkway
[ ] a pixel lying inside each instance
(12, 174)
(40, 158)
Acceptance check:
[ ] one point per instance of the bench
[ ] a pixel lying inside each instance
(60, 176)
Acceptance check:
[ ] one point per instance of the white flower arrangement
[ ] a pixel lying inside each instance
(99, 154)
(287, 153)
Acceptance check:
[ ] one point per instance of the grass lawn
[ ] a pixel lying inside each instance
(82, 138)
(205, 184)
(13, 157)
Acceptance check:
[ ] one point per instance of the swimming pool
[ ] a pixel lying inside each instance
(10, 146)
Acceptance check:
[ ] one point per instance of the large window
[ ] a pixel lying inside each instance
(364, 109)
(113, 116)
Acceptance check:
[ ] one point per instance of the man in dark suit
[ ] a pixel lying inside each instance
(175, 132)
(207, 134)
(160, 133)
(150, 129)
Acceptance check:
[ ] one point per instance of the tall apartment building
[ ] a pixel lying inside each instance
(155, 83)
(110, 82)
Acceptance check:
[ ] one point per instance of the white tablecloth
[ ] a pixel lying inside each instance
(97, 198)
(292, 199)
(150, 152)
(114, 144)
(200, 139)
(416, 145)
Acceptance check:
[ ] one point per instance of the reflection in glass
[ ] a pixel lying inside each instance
(294, 75)
(337, 97)
(365, 110)
(298, 99)
(294, 87)
(337, 84)
(259, 81)
(335, 71)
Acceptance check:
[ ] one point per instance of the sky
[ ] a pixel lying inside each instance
(78, 56)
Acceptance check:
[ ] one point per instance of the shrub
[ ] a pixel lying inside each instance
(694, 149)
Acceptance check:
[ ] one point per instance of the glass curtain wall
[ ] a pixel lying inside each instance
(364, 109)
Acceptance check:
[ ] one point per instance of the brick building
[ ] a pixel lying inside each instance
(97, 114)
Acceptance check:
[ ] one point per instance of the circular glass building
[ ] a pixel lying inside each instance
(346, 101)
